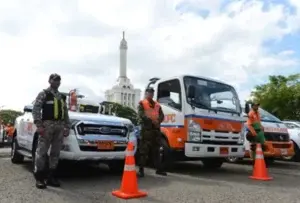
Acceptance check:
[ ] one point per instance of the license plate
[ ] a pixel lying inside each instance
(223, 150)
(283, 151)
(105, 145)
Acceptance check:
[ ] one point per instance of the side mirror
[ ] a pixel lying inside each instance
(27, 109)
(191, 92)
(247, 108)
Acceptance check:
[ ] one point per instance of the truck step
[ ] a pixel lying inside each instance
(25, 153)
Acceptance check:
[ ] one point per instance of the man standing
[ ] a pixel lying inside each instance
(50, 115)
(256, 134)
(150, 116)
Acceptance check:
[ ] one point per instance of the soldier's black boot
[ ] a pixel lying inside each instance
(141, 172)
(40, 181)
(52, 179)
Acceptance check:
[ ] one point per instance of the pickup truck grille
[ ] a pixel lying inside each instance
(277, 137)
(95, 149)
(96, 129)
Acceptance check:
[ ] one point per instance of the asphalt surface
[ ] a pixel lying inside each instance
(186, 183)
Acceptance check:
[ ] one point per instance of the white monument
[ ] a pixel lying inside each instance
(123, 92)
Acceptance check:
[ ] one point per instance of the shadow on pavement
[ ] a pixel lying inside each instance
(234, 173)
(288, 165)
(83, 175)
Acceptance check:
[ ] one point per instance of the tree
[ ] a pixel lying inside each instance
(121, 111)
(280, 96)
(9, 115)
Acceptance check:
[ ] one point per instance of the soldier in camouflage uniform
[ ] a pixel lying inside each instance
(150, 116)
(50, 115)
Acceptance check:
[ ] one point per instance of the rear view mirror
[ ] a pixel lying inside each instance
(191, 92)
(247, 108)
(27, 108)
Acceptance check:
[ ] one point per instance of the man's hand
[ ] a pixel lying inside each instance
(66, 132)
(40, 130)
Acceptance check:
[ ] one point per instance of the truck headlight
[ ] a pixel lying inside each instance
(242, 137)
(194, 131)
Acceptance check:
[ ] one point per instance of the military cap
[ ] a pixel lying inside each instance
(150, 89)
(54, 76)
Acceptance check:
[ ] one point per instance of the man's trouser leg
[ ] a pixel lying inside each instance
(145, 144)
(41, 156)
(56, 144)
(158, 152)
(259, 138)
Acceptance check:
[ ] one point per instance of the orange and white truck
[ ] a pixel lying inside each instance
(203, 119)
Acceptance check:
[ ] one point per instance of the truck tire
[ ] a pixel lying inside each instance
(213, 163)
(116, 166)
(16, 157)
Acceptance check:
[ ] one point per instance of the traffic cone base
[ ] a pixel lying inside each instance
(260, 171)
(129, 184)
(261, 178)
(123, 195)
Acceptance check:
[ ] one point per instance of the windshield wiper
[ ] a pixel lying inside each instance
(227, 109)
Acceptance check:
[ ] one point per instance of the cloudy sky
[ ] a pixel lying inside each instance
(240, 42)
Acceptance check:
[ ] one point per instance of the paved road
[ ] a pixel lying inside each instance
(188, 183)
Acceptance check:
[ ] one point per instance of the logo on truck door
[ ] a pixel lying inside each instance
(170, 118)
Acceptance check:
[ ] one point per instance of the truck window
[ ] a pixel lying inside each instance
(169, 93)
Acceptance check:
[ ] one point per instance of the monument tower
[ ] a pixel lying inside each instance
(123, 91)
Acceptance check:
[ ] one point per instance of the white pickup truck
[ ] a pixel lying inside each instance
(93, 136)
(294, 131)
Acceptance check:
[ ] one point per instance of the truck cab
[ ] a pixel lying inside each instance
(93, 136)
(203, 119)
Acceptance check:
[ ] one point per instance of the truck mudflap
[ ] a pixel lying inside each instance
(198, 150)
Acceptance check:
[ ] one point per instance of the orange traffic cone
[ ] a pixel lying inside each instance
(260, 171)
(129, 185)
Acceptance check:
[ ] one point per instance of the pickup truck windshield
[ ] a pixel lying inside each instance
(88, 108)
(213, 95)
(266, 116)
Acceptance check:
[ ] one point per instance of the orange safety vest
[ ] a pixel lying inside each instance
(10, 131)
(152, 113)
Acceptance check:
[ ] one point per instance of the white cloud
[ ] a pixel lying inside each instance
(80, 39)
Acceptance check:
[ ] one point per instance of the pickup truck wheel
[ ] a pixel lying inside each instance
(296, 157)
(213, 163)
(16, 157)
(116, 166)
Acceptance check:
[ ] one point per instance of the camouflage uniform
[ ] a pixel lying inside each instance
(53, 134)
(150, 137)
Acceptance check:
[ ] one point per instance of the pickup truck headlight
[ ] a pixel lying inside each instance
(130, 127)
(194, 131)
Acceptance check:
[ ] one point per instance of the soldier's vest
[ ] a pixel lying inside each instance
(53, 108)
(152, 113)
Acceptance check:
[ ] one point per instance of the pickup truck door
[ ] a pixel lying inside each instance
(29, 129)
(21, 132)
